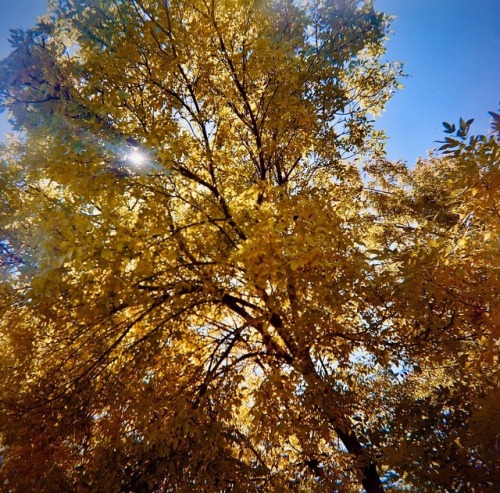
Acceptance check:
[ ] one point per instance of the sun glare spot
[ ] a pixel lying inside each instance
(136, 157)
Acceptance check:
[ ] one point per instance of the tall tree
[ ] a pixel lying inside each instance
(200, 290)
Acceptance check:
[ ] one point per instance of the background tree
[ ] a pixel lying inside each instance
(443, 227)
(202, 293)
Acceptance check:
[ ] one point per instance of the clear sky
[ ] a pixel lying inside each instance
(451, 50)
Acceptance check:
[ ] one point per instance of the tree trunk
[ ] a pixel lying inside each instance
(367, 465)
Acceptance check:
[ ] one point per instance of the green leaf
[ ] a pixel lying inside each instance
(78, 148)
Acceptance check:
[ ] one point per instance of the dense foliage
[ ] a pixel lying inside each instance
(212, 281)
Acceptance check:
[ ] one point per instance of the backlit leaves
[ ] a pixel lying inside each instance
(242, 310)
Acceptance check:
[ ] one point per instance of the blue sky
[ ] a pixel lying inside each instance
(451, 50)
(15, 14)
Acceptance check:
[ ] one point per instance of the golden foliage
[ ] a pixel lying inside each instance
(200, 289)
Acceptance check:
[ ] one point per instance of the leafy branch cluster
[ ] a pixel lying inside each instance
(261, 302)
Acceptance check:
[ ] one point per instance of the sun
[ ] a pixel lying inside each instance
(136, 157)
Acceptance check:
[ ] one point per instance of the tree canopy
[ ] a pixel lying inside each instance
(213, 281)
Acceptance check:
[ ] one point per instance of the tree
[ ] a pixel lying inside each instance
(201, 291)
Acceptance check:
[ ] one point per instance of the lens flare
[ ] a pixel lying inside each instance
(136, 157)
